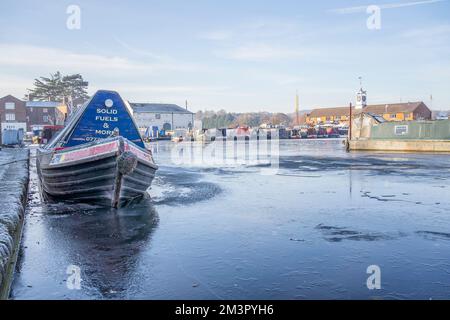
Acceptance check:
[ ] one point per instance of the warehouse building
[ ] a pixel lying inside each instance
(163, 116)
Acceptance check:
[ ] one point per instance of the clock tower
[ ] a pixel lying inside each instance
(361, 98)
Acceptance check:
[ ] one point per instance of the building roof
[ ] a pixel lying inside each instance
(393, 107)
(7, 97)
(328, 112)
(158, 108)
(43, 104)
(375, 109)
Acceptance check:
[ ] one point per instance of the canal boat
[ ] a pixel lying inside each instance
(370, 132)
(99, 157)
(311, 133)
(295, 134)
(342, 130)
(177, 139)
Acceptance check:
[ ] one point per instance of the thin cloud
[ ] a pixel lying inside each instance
(175, 89)
(35, 56)
(259, 52)
(32, 61)
(257, 28)
(218, 35)
(13, 84)
(357, 9)
(138, 51)
(428, 32)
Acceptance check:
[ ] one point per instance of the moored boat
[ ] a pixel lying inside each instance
(370, 132)
(99, 157)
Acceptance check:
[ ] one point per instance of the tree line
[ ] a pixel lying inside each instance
(223, 119)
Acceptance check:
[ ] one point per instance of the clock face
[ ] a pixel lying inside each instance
(364, 98)
(359, 98)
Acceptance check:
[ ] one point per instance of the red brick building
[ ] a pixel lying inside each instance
(44, 113)
(12, 113)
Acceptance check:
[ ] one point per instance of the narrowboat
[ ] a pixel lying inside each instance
(295, 134)
(370, 132)
(99, 157)
(311, 133)
(177, 139)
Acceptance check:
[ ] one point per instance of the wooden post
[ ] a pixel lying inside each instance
(350, 125)
(115, 202)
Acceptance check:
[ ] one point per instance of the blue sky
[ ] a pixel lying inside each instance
(236, 55)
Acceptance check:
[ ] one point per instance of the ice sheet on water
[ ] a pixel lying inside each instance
(337, 234)
(174, 187)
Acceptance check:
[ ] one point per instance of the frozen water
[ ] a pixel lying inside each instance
(308, 230)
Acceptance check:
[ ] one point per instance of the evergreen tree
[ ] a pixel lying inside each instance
(75, 87)
(58, 88)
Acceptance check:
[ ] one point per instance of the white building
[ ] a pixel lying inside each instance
(162, 116)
